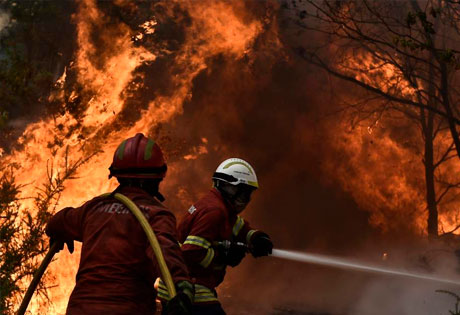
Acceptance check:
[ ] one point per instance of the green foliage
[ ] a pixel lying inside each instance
(3, 118)
(20, 243)
(23, 242)
(444, 55)
(409, 43)
(31, 49)
(411, 20)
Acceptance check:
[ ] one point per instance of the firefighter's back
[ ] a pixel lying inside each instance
(115, 273)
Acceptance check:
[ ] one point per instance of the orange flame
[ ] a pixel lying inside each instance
(384, 173)
(216, 29)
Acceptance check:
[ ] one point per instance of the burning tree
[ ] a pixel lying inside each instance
(406, 58)
(22, 230)
(132, 66)
(31, 59)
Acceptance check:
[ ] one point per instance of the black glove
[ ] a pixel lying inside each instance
(231, 253)
(181, 304)
(60, 244)
(261, 245)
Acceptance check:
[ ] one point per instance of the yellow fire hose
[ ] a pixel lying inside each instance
(166, 275)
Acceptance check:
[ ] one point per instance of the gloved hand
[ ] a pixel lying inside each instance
(181, 304)
(231, 253)
(261, 245)
(60, 244)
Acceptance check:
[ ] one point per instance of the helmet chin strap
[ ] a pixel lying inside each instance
(155, 193)
(229, 198)
(159, 196)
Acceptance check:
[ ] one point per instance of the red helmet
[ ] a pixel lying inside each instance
(138, 157)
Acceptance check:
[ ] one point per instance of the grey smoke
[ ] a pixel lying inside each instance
(5, 20)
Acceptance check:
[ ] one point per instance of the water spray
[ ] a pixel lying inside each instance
(352, 265)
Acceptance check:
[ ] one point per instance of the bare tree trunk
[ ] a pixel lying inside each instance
(427, 122)
(429, 174)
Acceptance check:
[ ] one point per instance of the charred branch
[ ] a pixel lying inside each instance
(315, 60)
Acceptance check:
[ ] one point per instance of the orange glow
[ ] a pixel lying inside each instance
(386, 175)
(216, 29)
(376, 171)
(377, 73)
(197, 151)
(383, 174)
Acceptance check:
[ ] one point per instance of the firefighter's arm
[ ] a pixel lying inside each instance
(198, 246)
(243, 232)
(65, 227)
(258, 242)
(164, 226)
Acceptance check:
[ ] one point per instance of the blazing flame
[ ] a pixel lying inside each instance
(381, 166)
(377, 171)
(215, 29)
(381, 172)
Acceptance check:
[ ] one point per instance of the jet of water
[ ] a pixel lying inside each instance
(349, 264)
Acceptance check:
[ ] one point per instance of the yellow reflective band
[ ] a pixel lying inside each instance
(219, 267)
(249, 235)
(204, 298)
(208, 258)
(163, 291)
(239, 162)
(253, 184)
(238, 225)
(198, 241)
(187, 288)
(204, 294)
(201, 288)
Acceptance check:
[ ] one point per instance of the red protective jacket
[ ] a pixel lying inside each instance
(118, 268)
(208, 221)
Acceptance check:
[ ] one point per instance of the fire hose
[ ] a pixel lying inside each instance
(166, 275)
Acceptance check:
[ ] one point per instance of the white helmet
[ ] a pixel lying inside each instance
(236, 171)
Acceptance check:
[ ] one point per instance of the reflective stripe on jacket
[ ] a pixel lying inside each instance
(207, 222)
(118, 268)
(202, 294)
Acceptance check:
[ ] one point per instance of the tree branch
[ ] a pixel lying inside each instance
(319, 63)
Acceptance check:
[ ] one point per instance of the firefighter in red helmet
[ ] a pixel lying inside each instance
(214, 236)
(117, 267)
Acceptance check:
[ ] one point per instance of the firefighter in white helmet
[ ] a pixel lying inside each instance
(214, 236)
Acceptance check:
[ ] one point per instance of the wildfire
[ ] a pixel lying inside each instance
(382, 154)
(375, 169)
(383, 173)
(381, 166)
(376, 71)
(105, 74)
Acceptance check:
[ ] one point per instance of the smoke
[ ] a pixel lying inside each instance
(275, 286)
(210, 80)
(4, 20)
(407, 298)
